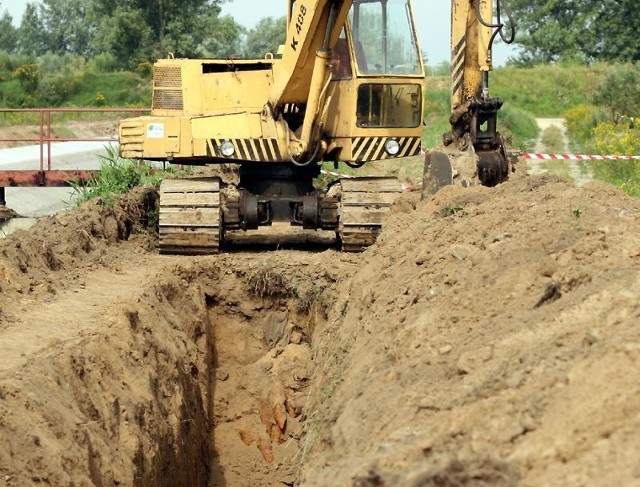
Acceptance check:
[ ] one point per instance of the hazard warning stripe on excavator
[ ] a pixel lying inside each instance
(458, 66)
(266, 150)
(372, 148)
(189, 220)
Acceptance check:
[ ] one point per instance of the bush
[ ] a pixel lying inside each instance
(618, 139)
(103, 63)
(620, 91)
(28, 76)
(55, 91)
(145, 69)
(60, 64)
(117, 176)
(581, 120)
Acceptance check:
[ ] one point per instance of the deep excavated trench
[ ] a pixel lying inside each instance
(240, 416)
(199, 377)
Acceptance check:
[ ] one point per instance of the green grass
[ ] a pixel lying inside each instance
(559, 168)
(119, 89)
(547, 90)
(553, 140)
(623, 174)
(437, 111)
(516, 124)
(69, 82)
(117, 176)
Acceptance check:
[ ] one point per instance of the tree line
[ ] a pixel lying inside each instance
(582, 31)
(135, 31)
(131, 32)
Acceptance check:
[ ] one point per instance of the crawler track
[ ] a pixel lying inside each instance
(190, 216)
(364, 204)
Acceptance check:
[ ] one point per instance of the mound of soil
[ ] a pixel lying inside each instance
(489, 338)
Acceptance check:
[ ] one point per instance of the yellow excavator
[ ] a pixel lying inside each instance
(347, 85)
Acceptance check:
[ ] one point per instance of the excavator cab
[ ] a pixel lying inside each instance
(378, 77)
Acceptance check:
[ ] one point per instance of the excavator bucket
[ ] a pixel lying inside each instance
(444, 166)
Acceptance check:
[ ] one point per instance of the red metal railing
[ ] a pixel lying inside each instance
(46, 137)
(45, 175)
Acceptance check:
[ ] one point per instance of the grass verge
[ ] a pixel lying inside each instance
(117, 176)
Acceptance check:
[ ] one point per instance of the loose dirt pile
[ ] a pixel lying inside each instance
(489, 338)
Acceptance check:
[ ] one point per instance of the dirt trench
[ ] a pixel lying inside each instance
(489, 338)
(122, 367)
(185, 373)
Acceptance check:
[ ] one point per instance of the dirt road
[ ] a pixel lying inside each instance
(489, 338)
(578, 172)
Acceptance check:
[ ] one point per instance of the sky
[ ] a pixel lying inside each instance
(432, 19)
(433, 23)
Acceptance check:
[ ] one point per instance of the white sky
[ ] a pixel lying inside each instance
(432, 18)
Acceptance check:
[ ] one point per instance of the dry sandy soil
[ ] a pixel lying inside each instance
(489, 338)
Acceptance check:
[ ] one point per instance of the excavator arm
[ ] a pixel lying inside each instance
(473, 151)
(303, 74)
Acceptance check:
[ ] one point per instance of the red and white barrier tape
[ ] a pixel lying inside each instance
(578, 157)
(531, 156)
(573, 157)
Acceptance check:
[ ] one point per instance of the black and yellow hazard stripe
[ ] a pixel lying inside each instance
(263, 150)
(372, 148)
(457, 68)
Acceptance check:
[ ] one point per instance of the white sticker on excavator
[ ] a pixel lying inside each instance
(155, 131)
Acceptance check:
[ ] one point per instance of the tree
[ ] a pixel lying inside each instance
(65, 25)
(8, 33)
(31, 40)
(142, 30)
(223, 37)
(125, 36)
(266, 36)
(620, 92)
(584, 30)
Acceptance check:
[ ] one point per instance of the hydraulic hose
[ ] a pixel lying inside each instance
(499, 25)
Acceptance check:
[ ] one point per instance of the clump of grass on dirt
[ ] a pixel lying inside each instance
(265, 282)
(117, 176)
